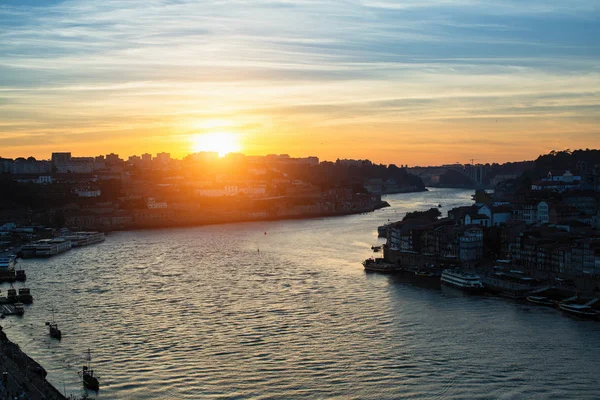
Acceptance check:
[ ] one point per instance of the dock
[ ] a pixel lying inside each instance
(10, 309)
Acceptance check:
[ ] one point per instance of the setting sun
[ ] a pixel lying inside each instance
(220, 142)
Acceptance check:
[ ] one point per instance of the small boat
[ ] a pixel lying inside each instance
(579, 310)
(20, 275)
(25, 296)
(19, 308)
(541, 300)
(11, 295)
(426, 274)
(380, 265)
(87, 374)
(376, 248)
(53, 328)
(464, 281)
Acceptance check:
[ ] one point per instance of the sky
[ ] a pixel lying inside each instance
(416, 82)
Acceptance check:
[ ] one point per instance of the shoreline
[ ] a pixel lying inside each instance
(22, 375)
(223, 221)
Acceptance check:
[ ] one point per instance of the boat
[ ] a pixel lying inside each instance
(579, 310)
(19, 308)
(79, 239)
(541, 300)
(7, 268)
(462, 280)
(513, 284)
(46, 247)
(380, 265)
(376, 248)
(87, 374)
(425, 274)
(25, 296)
(20, 275)
(53, 328)
(11, 295)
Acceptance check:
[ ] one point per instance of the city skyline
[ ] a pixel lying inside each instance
(163, 155)
(420, 83)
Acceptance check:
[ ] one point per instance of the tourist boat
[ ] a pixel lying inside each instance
(380, 265)
(579, 310)
(541, 300)
(461, 280)
(53, 328)
(46, 247)
(79, 239)
(87, 374)
(25, 296)
(513, 284)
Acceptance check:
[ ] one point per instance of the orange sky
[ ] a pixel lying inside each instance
(417, 82)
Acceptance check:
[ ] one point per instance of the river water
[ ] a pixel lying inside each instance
(200, 313)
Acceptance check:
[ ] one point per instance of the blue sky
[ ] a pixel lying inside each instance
(395, 81)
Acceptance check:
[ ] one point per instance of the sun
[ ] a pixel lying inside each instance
(219, 142)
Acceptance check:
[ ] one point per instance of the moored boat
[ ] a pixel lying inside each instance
(19, 308)
(579, 310)
(7, 268)
(541, 300)
(79, 239)
(461, 280)
(46, 247)
(25, 296)
(380, 265)
(513, 284)
(87, 374)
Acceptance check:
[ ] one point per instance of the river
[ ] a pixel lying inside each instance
(201, 313)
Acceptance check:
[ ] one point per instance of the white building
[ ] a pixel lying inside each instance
(477, 219)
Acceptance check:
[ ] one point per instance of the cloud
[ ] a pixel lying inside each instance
(157, 64)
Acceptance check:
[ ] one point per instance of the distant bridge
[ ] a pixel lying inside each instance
(431, 175)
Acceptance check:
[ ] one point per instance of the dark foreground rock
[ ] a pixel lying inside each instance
(22, 377)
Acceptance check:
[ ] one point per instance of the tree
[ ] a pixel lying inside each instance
(431, 214)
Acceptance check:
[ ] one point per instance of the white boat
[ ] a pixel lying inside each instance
(46, 247)
(380, 265)
(580, 310)
(461, 280)
(79, 239)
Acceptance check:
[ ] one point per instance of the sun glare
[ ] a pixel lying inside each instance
(220, 142)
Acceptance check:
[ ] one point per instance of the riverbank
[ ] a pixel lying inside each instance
(22, 376)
